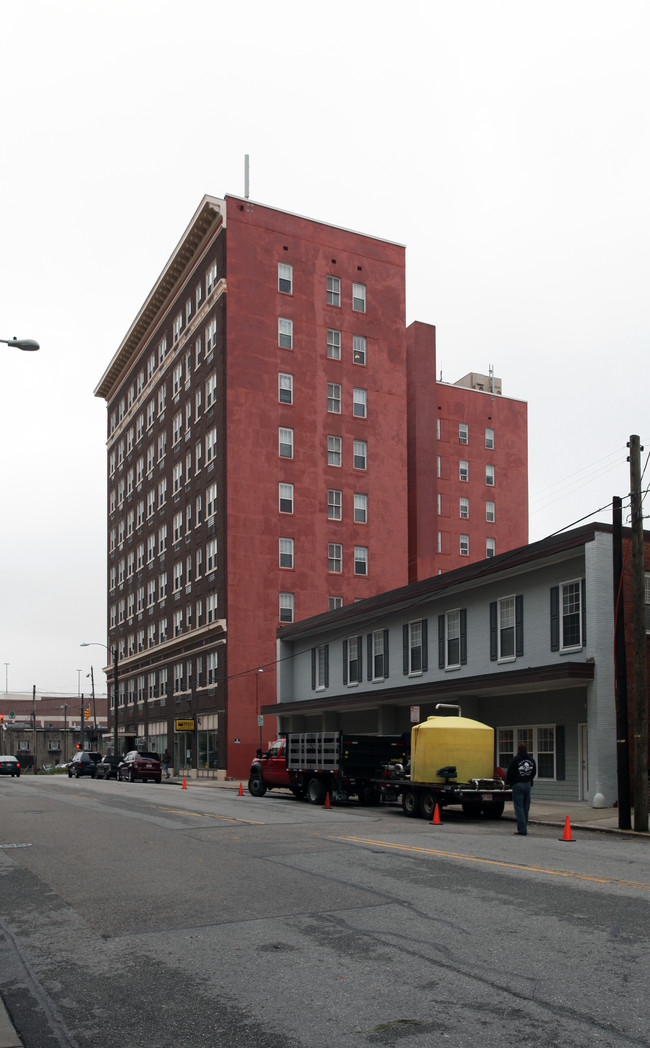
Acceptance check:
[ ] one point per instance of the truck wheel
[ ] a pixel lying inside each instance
(256, 787)
(410, 804)
(472, 808)
(493, 809)
(298, 792)
(316, 791)
(427, 804)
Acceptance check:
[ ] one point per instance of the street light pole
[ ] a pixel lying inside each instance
(115, 653)
(64, 707)
(28, 345)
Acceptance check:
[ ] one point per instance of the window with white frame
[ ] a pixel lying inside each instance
(177, 327)
(320, 667)
(333, 344)
(360, 508)
(360, 560)
(285, 278)
(285, 388)
(198, 511)
(334, 602)
(212, 667)
(210, 280)
(490, 547)
(415, 647)
(285, 442)
(162, 585)
(333, 291)
(210, 336)
(177, 524)
(151, 459)
(210, 390)
(360, 403)
(211, 555)
(178, 576)
(463, 470)
(463, 433)
(162, 538)
(334, 501)
(334, 397)
(489, 438)
(360, 454)
(211, 607)
(162, 397)
(568, 625)
(464, 509)
(285, 333)
(211, 445)
(507, 628)
(285, 498)
(151, 593)
(464, 545)
(162, 445)
(489, 476)
(359, 298)
(333, 450)
(359, 349)
(452, 639)
(286, 607)
(178, 622)
(210, 501)
(352, 664)
(490, 512)
(541, 740)
(286, 552)
(378, 655)
(177, 478)
(334, 557)
(176, 429)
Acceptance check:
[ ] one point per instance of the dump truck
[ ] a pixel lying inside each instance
(313, 764)
(447, 760)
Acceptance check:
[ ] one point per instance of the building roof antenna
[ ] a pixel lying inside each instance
(246, 176)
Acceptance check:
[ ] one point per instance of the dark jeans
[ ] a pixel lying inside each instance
(521, 804)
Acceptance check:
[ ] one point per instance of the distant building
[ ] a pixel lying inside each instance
(523, 642)
(272, 428)
(57, 733)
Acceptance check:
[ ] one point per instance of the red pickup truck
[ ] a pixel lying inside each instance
(269, 770)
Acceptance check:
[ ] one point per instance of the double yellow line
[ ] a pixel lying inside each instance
(414, 849)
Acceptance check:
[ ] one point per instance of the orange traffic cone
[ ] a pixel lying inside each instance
(436, 817)
(566, 836)
(241, 790)
(327, 801)
(184, 786)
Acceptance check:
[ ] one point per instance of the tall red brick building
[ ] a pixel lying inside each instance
(272, 426)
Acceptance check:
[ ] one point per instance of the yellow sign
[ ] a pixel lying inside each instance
(184, 725)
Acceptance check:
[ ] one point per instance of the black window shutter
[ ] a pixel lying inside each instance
(425, 647)
(560, 772)
(327, 665)
(519, 624)
(555, 618)
(441, 642)
(369, 656)
(345, 662)
(405, 648)
(583, 598)
(313, 669)
(494, 647)
(385, 653)
(360, 657)
(463, 636)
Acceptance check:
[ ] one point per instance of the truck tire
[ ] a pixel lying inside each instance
(256, 786)
(316, 791)
(493, 809)
(472, 808)
(410, 804)
(428, 803)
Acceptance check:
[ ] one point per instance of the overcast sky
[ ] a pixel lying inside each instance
(504, 143)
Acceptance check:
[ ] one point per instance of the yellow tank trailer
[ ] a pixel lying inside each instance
(451, 742)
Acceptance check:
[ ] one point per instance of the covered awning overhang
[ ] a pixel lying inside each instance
(491, 685)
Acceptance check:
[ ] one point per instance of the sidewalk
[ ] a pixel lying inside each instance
(8, 1036)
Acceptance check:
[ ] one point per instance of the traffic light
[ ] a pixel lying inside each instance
(87, 713)
(2, 718)
(78, 745)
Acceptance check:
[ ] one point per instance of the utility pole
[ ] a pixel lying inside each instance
(620, 661)
(640, 655)
(34, 723)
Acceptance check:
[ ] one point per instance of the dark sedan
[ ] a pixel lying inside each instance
(139, 766)
(9, 766)
(107, 767)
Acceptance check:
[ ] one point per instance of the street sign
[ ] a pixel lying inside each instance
(415, 714)
(185, 725)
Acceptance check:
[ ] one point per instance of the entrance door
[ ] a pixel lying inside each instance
(583, 758)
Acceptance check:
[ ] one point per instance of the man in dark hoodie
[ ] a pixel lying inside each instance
(520, 774)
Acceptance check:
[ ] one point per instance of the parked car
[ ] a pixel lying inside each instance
(136, 765)
(9, 766)
(84, 763)
(107, 767)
